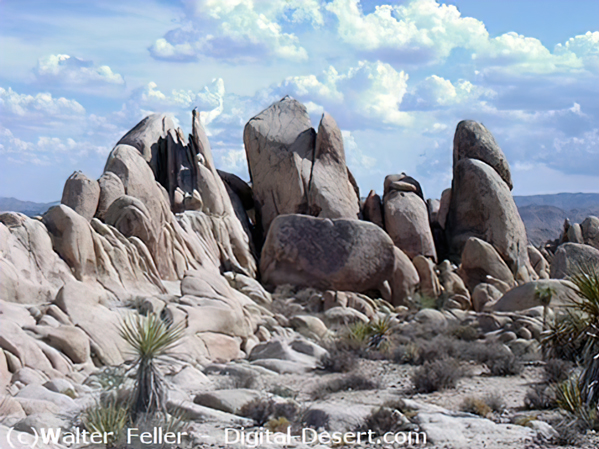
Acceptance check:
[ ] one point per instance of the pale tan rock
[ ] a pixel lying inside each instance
(484, 296)
(538, 262)
(451, 282)
(309, 326)
(83, 304)
(30, 271)
(479, 260)
(405, 278)
(473, 141)
(429, 281)
(72, 341)
(526, 296)
(111, 188)
(221, 348)
(590, 231)
(570, 256)
(482, 206)
(81, 194)
(330, 192)
(406, 221)
(373, 209)
(280, 140)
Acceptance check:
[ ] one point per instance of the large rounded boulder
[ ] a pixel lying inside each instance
(340, 254)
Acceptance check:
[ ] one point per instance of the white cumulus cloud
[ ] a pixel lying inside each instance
(68, 70)
(238, 30)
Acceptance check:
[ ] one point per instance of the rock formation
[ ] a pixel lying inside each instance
(481, 204)
(294, 170)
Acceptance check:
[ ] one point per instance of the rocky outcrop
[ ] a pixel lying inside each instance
(294, 171)
(473, 141)
(339, 254)
(571, 257)
(482, 207)
(480, 260)
(330, 191)
(405, 279)
(406, 217)
(111, 188)
(372, 209)
(30, 271)
(81, 194)
(590, 231)
(529, 295)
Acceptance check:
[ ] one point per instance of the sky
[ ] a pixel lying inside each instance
(397, 76)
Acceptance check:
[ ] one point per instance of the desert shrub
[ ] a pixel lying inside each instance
(349, 382)
(476, 406)
(259, 410)
(495, 402)
(540, 397)
(439, 347)
(338, 360)
(557, 370)
(316, 419)
(287, 410)
(384, 419)
(437, 375)
(465, 332)
(405, 353)
(278, 424)
(504, 365)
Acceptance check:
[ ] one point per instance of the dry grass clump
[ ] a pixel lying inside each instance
(349, 382)
(437, 375)
(476, 406)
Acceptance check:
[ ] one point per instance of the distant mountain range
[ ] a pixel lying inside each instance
(543, 215)
(28, 208)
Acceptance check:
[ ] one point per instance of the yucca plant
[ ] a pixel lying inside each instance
(569, 397)
(151, 340)
(544, 295)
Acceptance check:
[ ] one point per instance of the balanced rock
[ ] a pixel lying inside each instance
(473, 141)
(347, 255)
(81, 194)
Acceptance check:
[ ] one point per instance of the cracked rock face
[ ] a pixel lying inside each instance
(295, 171)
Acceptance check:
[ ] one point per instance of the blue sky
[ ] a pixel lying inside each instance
(396, 76)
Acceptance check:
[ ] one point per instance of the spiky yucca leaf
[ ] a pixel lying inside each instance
(149, 336)
(569, 398)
